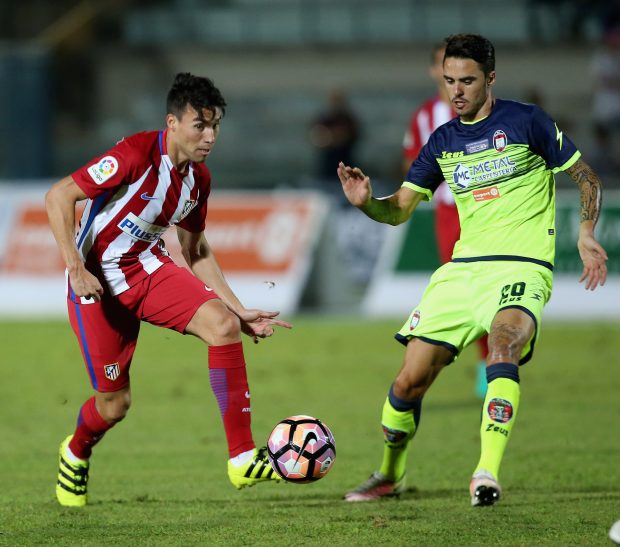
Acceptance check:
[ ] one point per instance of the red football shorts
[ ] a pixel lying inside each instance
(447, 230)
(107, 331)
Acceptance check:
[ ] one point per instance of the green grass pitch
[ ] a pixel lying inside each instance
(159, 478)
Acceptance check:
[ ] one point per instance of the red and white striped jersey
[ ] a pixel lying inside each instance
(433, 113)
(135, 194)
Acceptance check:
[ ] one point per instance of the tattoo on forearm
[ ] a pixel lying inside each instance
(590, 188)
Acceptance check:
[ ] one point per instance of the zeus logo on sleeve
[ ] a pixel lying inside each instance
(103, 170)
(137, 228)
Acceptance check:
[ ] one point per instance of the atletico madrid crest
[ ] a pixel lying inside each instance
(112, 371)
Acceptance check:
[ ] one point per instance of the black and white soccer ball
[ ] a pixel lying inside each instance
(301, 449)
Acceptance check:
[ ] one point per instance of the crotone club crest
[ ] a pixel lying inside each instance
(500, 140)
(500, 410)
(187, 207)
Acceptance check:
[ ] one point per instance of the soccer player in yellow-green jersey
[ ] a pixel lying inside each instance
(498, 157)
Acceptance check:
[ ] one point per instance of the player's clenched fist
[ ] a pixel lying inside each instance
(85, 284)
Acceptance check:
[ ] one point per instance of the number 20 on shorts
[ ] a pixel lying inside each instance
(512, 293)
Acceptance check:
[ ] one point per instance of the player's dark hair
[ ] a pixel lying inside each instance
(472, 46)
(197, 91)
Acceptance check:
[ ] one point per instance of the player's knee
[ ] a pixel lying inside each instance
(409, 388)
(114, 406)
(506, 349)
(227, 329)
(506, 342)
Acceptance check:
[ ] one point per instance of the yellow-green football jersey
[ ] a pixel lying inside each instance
(500, 170)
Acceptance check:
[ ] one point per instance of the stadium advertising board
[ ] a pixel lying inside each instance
(264, 242)
(409, 256)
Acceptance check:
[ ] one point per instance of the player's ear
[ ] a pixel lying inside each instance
(491, 78)
(171, 121)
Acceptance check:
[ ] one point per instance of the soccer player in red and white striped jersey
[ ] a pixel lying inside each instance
(433, 113)
(119, 274)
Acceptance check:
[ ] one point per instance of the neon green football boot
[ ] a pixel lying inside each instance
(256, 469)
(72, 478)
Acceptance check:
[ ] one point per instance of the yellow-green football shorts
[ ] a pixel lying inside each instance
(462, 298)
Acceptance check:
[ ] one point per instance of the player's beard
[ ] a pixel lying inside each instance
(471, 108)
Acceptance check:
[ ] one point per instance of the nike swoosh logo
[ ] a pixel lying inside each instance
(247, 394)
(309, 437)
(145, 196)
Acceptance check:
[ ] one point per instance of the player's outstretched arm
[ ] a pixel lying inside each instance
(592, 254)
(202, 261)
(394, 209)
(260, 323)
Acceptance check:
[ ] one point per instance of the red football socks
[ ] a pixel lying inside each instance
(230, 386)
(91, 427)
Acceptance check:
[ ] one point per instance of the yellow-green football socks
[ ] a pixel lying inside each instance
(498, 414)
(400, 419)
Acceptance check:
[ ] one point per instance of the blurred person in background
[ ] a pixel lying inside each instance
(119, 274)
(605, 66)
(334, 133)
(605, 154)
(498, 157)
(433, 113)
(606, 79)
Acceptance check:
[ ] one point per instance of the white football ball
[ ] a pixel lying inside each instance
(301, 449)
